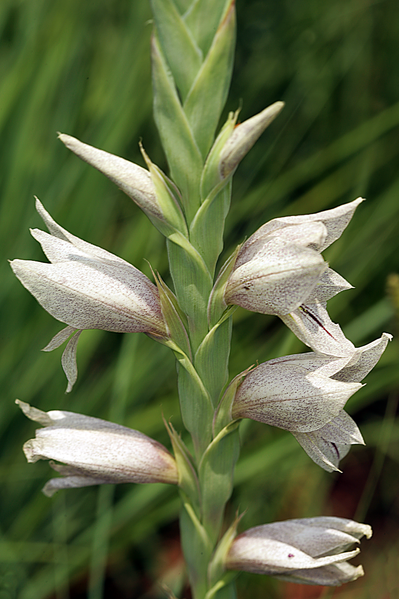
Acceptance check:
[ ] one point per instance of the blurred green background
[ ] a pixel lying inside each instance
(83, 68)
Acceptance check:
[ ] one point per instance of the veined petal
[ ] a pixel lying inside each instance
(268, 556)
(307, 236)
(335, 221)
(134, 180)
(308, 550)
(363, 360)
(60, 338)
(58, 232)
(318, 537)
(92, 296)
(279, 270)
(312, 324)
(357, 530)
(71, 482)
(328, 286)
(328, 445)
(95, 451)
(87, 287)
(68, 361)
(330, 576)
(277, 281)
(283, 394)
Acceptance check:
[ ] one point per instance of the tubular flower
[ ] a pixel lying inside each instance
(279, 270)
(305, 394)
(307, 551)
(134, 180)
(95, 452)
(86, 287)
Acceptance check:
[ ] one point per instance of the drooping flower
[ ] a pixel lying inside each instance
(305, 394)
(279, 270)
(95, 452)
(87, 287)
(308, 551)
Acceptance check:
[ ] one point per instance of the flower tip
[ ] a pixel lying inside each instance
(358, 573)
(67, 140)
(25, 407)
(277, 107)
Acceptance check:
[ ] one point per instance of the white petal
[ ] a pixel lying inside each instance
(313, 326)
(89, 249)
(71, 482)
(331, 443)
(333, 575)
(261, 555)
(363, 360)
(318, 540)
(355, 529)
(59, 338)
(88, 297)
(285, 395)
(134, 180)
(335, 221)
(68, 361)
(277, 280)
(307, 236)
(329, 284)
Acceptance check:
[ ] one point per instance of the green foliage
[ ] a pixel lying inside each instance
(83, 68)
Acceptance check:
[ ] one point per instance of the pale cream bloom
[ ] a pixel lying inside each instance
(308, 551)
(279, 270)
(305, 394)
(94, 451)
(87, 287)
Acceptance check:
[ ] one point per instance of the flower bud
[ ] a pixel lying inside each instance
(86, 287)
(94, 451)
(279, 270)
(244, 136)
(134, 180)
(306, 551)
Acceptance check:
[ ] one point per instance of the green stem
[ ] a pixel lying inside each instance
(192, 58)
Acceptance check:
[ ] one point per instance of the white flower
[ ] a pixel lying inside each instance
(305, 394)
(307, 551)
(279, 270)
(86, 287)
(94, 451)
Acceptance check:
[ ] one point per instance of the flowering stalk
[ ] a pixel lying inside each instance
(279, 270)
